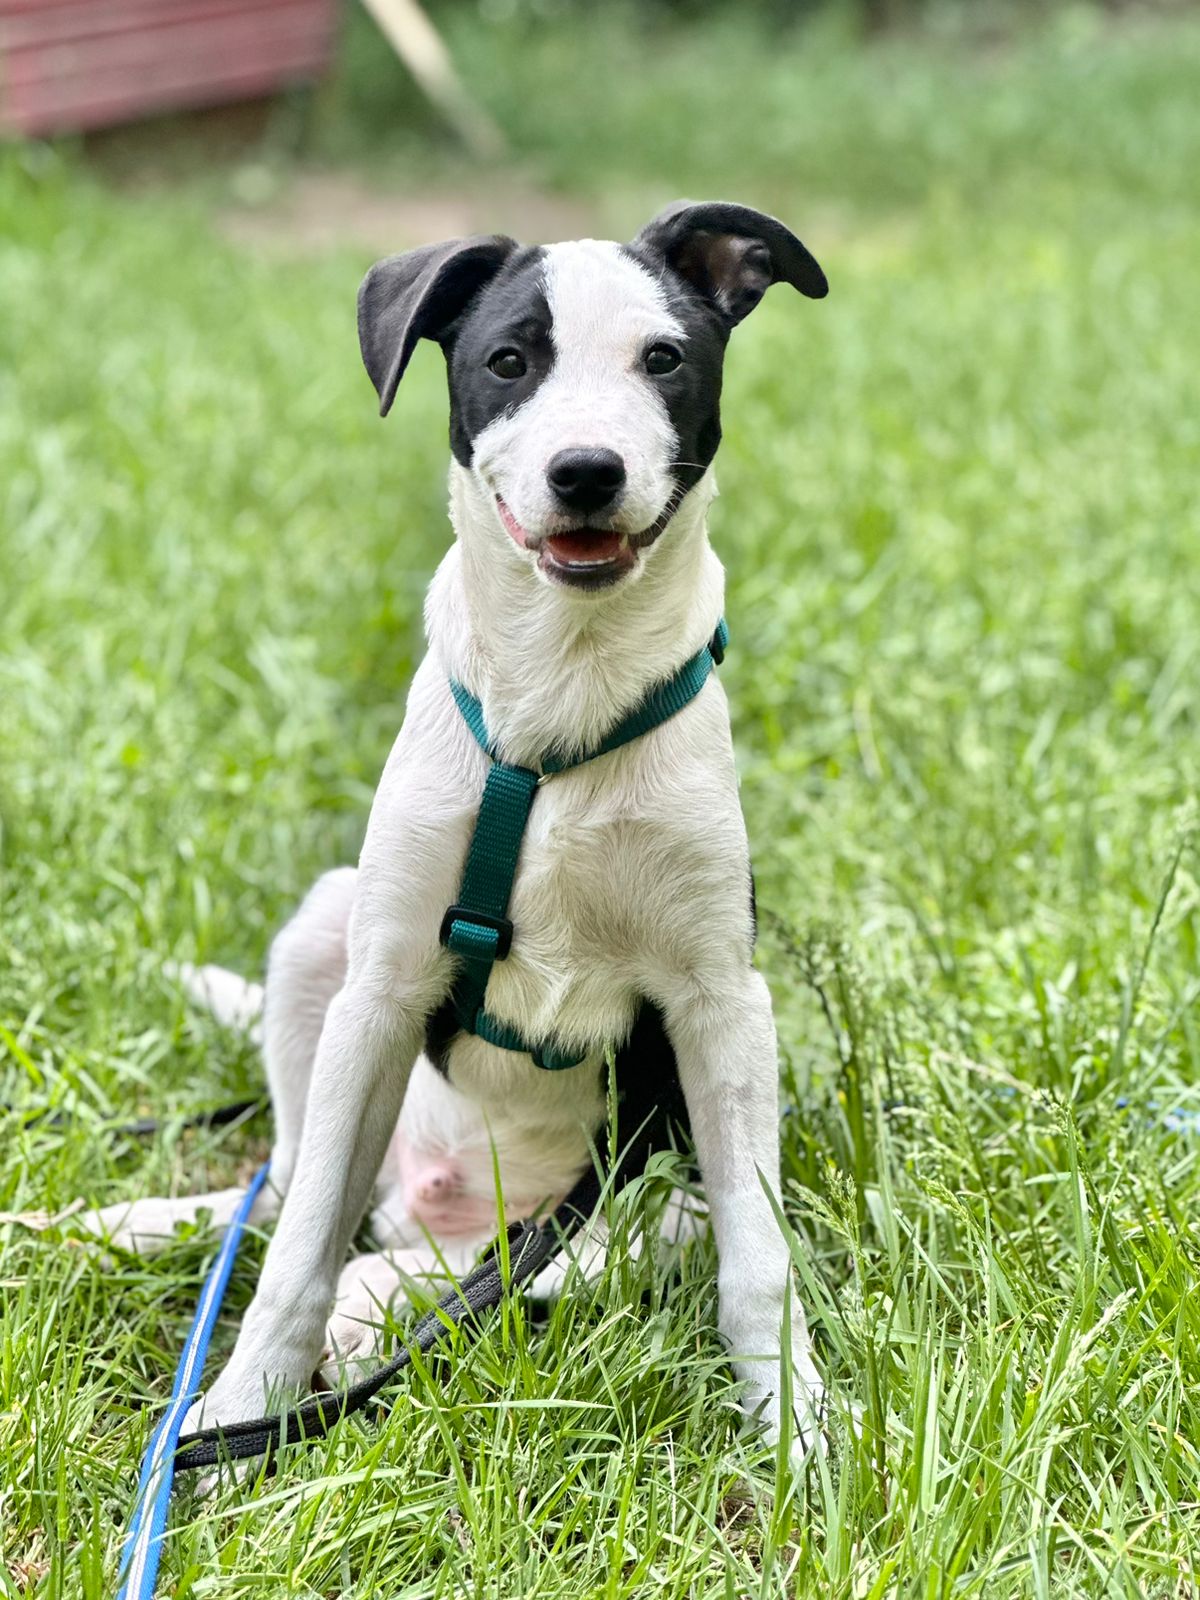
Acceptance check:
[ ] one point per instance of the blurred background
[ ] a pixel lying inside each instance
(310, 115)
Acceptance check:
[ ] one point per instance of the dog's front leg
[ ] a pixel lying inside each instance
(370, 1040)
(724, 1039)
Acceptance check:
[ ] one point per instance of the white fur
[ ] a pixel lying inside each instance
(606, 310)
(633, 881)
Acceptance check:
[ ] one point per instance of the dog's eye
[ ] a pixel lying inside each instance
(508, 364)
(662, 358)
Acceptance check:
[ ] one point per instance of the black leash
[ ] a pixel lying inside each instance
(218, 1117)
(652, 1111)
(528, 1246)
(143, 1127)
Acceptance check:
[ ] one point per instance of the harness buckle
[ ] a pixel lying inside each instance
(500, 926)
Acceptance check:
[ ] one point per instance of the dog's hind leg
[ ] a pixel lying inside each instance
(683, 1219)
(372, 1285)
(233, 1000)
(146, 1227)
(306, 968)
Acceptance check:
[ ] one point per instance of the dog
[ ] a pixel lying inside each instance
(584, 387)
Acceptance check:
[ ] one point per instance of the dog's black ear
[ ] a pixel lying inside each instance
(731, 254)
(418, 296)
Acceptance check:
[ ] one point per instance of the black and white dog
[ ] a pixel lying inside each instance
(584, 417)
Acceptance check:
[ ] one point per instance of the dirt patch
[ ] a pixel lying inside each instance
(318, 211)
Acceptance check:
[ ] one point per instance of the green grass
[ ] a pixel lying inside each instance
(617, 92)
(959, 515)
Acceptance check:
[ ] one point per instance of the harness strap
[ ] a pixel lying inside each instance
(660, 705)
(477, 927)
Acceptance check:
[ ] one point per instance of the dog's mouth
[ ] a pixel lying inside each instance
(586, 558)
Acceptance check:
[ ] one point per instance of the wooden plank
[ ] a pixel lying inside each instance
(159, 48)
(419, 45)
(26, 23)
(129, 58)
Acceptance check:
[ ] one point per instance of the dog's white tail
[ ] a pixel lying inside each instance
(233, 1000)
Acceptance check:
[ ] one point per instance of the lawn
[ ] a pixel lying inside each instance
(959, 516)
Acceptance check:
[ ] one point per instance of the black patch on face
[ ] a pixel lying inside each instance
(692, 392)
(509, 313)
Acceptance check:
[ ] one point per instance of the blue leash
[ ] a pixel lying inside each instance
(144, 1541)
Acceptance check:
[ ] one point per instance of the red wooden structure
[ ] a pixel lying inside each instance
(75, 64)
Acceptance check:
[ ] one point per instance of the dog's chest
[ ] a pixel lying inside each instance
(579, 923)
(631, 873)
(596, 899)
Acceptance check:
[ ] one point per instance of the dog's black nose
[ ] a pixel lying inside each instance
(586, 480)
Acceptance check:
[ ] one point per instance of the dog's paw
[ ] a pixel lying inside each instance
(42, 1221)
(353, 1345)
(137, 1227)
(233, 1001)
(242, 1392)
(806, 1427)
(237, 1396)
(355, 1332)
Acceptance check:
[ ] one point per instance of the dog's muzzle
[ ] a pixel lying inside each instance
(585, 557)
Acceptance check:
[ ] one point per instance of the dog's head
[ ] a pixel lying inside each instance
(585, 378)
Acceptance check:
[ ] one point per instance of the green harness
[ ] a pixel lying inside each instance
(477, 927)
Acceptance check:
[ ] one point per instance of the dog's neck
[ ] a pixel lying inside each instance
(556, 670)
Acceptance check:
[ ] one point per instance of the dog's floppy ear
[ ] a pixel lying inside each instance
(731, 254)
(418, 296)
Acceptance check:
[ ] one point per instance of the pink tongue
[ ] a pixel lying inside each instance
(586, 545)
